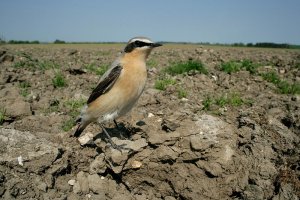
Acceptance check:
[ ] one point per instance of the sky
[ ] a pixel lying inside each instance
(214, 21)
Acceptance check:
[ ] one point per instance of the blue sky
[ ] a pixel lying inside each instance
(215, 21)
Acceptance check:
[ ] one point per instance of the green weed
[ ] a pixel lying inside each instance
(233, 99)
(46, 64)
(235, 66)
(183, 67)
(151, 63)
(73, 107)
(92, 67)
(59, 80)
(207, 103)
(283, 86)
(2, 115)
(182, 93)
(68, 124)
(271, 77)
(24, 88)
(162, 84)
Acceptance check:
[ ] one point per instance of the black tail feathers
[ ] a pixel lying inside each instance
(78, 130)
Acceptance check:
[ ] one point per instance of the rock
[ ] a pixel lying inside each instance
(73, 196)
(72, 52)
(163, 154)
(72, 182)
(83, 183)
(37, 153)
(42, 186)
(156, 139)
(76, 188)
(136, 164)
(2, 52)
(286, 191)
(168, 125)
(98, 166)
(213, 169)
(7, 58)
(86, 139)
(96, 184)
(169, 198)
(19, 108)
(127, 145)
(150, 115)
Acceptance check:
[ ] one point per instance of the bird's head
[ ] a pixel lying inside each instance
(141, 46)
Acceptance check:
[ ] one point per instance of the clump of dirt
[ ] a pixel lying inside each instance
(214, 135)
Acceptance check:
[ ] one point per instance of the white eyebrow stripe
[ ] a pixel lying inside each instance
(141, 39)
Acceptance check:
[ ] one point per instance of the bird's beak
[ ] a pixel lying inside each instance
(156, 45)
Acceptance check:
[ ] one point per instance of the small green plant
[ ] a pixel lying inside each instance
(24, 88)
(271, 77)
(47, 64)
(221, 101)
(59, 80)
(162, 84)
(235, 100)
(73, 107)
(283, 86)
(250, 66)
(231, 66)
(287, 88)
(183, 67)
(207, 103)
(68, 124)
(235, 66)
(182, 93)
(92, 67)
(151, 63)
(2, 115)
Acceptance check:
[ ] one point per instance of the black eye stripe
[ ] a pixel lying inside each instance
(130, 47)
(141, 44)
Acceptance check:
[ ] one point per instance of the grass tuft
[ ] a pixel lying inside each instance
(74, 107)
(59, 80)
(182, 93)
(283, 86)
(235, 66)
(162, 84)
(92, 67)
(24, 88)
(2, 115)
(183, 67)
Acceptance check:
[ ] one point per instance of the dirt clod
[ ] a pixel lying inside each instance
(214, 135)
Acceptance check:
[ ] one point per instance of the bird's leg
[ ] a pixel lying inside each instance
(120, 129)
(117, 124)
(109, 138)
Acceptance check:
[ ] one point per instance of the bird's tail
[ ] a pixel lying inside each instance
(82, 122)
(80, 127)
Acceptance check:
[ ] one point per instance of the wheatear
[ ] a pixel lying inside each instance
(120, 87)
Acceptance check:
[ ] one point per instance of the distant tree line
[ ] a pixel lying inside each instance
(264, 44)
(240, 44)
(23, 42)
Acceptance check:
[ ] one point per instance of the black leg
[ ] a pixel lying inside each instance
(110, 140)
(116, 124)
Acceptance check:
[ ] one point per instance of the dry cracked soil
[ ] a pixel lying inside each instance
(214, 135)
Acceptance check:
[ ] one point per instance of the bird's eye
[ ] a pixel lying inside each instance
(138, 43)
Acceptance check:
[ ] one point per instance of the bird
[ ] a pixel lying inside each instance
(120, 86)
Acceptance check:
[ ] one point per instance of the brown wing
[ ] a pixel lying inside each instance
(106, 84)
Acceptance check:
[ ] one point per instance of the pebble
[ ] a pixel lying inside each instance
(150, 115)
(72, 182)
(86, 139)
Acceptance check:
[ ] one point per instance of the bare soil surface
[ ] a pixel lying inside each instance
(177, 143)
